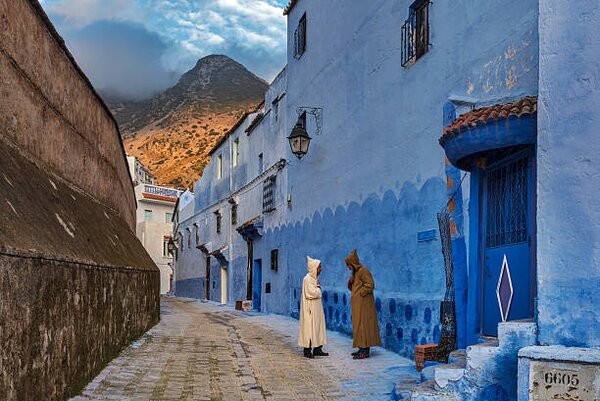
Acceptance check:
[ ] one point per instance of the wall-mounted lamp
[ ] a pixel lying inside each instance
(171, 246)
(299, 138)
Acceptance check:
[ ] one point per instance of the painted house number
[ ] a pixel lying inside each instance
(552, 381)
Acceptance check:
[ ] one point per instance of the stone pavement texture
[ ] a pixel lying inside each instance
(204, 351)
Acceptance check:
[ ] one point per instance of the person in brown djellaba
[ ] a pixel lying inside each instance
(365, 330)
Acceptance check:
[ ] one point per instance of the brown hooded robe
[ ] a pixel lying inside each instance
(365, 329)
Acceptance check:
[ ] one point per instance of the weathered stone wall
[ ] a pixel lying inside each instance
(49, 108)
(76, 285)
(62, 322)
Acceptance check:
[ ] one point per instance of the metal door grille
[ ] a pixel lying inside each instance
(507, 200)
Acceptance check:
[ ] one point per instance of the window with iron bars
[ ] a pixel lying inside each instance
(218, 216)
(234, 207)
(300, 38)
(269, 194)
(415, 32)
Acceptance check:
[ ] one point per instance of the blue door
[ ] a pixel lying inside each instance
(257, 284)
(508, 213)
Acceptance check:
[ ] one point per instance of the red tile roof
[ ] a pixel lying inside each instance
(488, 114)
(289, 7)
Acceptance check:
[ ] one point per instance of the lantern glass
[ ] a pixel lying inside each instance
(299, 141)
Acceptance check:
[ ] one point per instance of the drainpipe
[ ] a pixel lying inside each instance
(230, 239)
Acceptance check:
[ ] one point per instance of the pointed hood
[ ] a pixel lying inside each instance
(313, 265)
(353, 261)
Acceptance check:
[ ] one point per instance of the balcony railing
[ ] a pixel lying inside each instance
(161, 191)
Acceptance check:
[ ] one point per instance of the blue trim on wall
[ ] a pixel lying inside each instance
(475, 253)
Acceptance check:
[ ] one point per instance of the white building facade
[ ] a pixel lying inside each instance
(154, 219)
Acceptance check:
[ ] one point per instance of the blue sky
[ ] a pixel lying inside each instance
(139, 47)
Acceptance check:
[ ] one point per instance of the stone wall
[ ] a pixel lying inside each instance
(50, 109)
(62, 322)
(76, 285)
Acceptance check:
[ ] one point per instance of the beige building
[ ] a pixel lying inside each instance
(154, 225)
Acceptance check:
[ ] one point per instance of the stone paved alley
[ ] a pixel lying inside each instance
(204, 351)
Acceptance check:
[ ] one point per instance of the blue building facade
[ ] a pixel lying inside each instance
(417, 108)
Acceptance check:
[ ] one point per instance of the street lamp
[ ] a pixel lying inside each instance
(171, 246)
(299, 138)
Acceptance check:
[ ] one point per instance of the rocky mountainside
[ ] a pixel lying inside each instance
(173, 132)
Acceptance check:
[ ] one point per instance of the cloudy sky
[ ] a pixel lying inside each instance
(139, 47)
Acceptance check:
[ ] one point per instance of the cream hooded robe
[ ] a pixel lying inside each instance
(311, 331)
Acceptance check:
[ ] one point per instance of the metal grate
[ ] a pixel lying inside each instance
(269, 194)
(507, 199)
(415, 33)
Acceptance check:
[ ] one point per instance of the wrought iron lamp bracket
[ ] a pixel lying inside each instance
(316, 112)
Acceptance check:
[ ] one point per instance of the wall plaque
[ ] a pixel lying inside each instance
(554, 381)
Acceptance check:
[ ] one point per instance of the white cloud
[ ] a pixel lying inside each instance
(80, 13)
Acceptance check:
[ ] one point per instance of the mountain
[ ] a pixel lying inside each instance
(173, 132)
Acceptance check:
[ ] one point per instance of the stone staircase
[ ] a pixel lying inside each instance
(482, 372)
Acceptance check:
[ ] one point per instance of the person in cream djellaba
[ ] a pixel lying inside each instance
(312, 333)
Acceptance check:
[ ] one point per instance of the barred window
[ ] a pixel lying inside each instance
(415, 32)
(269, 186)
(234, 213)
(300, 38)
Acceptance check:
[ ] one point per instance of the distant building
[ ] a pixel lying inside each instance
(154, 218)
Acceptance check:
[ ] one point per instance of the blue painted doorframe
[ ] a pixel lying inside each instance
(508, 222)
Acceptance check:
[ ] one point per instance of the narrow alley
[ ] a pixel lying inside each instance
(202, 351)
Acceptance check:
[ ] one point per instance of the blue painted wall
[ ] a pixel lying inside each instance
(375, 177)
(377, 161)
(568, 182)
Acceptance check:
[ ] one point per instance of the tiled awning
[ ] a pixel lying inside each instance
(490, 128)
(251, 229)
(204, 248)
(220, 254)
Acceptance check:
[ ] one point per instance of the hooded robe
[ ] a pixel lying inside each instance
(311, 330)
(365, 329)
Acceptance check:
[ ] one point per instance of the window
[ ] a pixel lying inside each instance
(274, 259)
(166, 246)
(269, 194)
(276, 109)
(220, 167)
(234, 213)
(261, 165)
(415, 32)
(197, 233)
(300, 38)
(236, 152)
(147, 215)
(218, 217)
(168, 217)
(189, 238)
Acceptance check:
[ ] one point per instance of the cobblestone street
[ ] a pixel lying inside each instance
(203, 351)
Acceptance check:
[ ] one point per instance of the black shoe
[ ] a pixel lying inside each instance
(355, 353)
(308, 354)
(319, 352)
